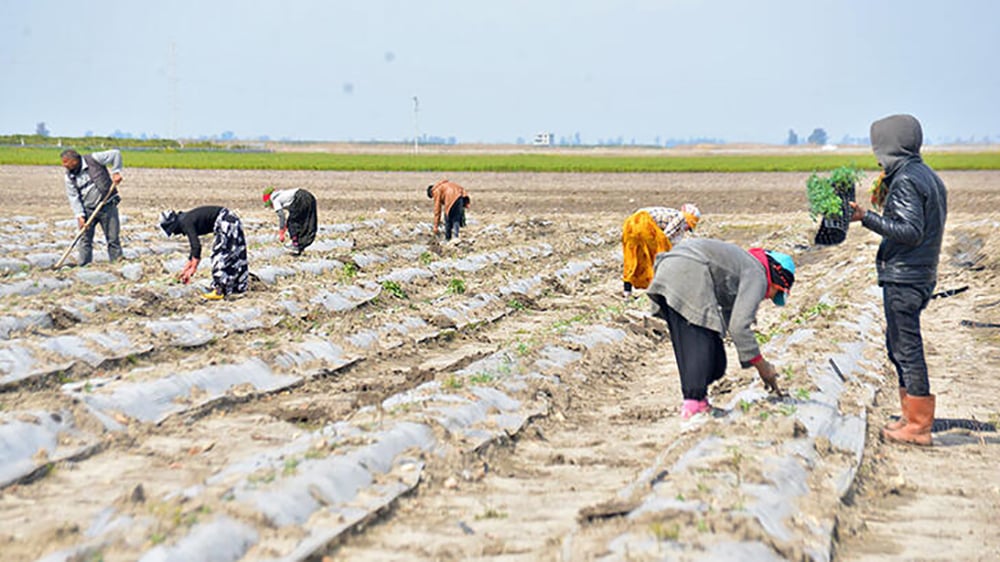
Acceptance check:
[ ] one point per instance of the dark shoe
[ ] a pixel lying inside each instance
(919, 413)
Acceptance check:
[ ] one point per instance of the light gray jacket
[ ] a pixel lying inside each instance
(82, 189)
(712, 284)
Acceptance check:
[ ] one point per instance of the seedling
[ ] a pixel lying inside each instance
(491, 513)
(348, 271)
(481, 378)
(426, 258)
(802, 394)
(453, 382)
(456, 286)
(515, 304)
(157, 537)
(744, 406)
(787, 409)
(664, 532)
(394, 289)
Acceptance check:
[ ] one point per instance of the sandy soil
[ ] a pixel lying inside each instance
(566, 484)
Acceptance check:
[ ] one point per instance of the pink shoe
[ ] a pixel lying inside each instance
(692, 407)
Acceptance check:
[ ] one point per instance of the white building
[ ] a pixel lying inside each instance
(543, 139)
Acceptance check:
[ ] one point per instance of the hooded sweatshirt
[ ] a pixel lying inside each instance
(916, 206)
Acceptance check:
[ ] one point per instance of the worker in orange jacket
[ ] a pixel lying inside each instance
(451, 200)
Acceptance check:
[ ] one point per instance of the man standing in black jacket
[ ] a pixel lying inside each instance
(914, 208)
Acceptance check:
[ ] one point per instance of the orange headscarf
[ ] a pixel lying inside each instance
(641, 241)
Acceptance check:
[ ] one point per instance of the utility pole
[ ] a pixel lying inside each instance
(416, 125)
(172, 88)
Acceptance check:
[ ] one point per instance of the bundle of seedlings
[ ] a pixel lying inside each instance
(829, 197)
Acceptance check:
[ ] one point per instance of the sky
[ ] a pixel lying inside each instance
(644, 71)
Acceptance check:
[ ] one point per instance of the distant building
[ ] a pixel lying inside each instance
(543, 139)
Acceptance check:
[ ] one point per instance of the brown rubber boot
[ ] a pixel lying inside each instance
(919, 412)
(893, 426)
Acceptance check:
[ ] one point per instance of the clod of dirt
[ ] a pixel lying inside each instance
(138, 494)
(606, 510)
(63, 318)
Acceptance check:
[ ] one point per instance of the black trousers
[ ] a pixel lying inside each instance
(454, 219)
(700, 354)
(903, 305)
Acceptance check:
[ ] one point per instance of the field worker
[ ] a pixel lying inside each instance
(914, 207)
(230, 273)
(452, 200)
(706, 288)
(88, 181)
(296, 209)
(648, 232)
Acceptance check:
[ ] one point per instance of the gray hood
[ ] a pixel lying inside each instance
(894, 139)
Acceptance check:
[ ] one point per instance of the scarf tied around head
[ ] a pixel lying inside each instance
(642, 239)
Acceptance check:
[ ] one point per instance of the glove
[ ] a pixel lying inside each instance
(281, 234)
(185, 275)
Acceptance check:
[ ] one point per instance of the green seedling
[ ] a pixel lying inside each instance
(453, 382)
(291, 466)
(394, 289)
(456, 286)
(426, 258)
(663, 532)
(157, 537)
(744, 406)
(491, 513)
(802, 394)
(481, 378)
(348, 271)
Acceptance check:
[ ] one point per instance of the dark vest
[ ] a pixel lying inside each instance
(99, 175)
(101, 179)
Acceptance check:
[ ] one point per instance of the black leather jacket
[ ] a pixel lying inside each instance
(912, 224)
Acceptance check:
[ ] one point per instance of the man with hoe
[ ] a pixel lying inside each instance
(88, 183)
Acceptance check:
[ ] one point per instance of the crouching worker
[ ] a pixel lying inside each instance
(648, 232)
(230, 273)
(450, 199)
(705, 288)
(296, 209)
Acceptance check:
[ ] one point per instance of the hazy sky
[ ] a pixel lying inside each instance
(734, 70)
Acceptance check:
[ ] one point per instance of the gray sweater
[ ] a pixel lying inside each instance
(713, 284)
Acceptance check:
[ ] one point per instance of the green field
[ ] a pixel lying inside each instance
(559, 162)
